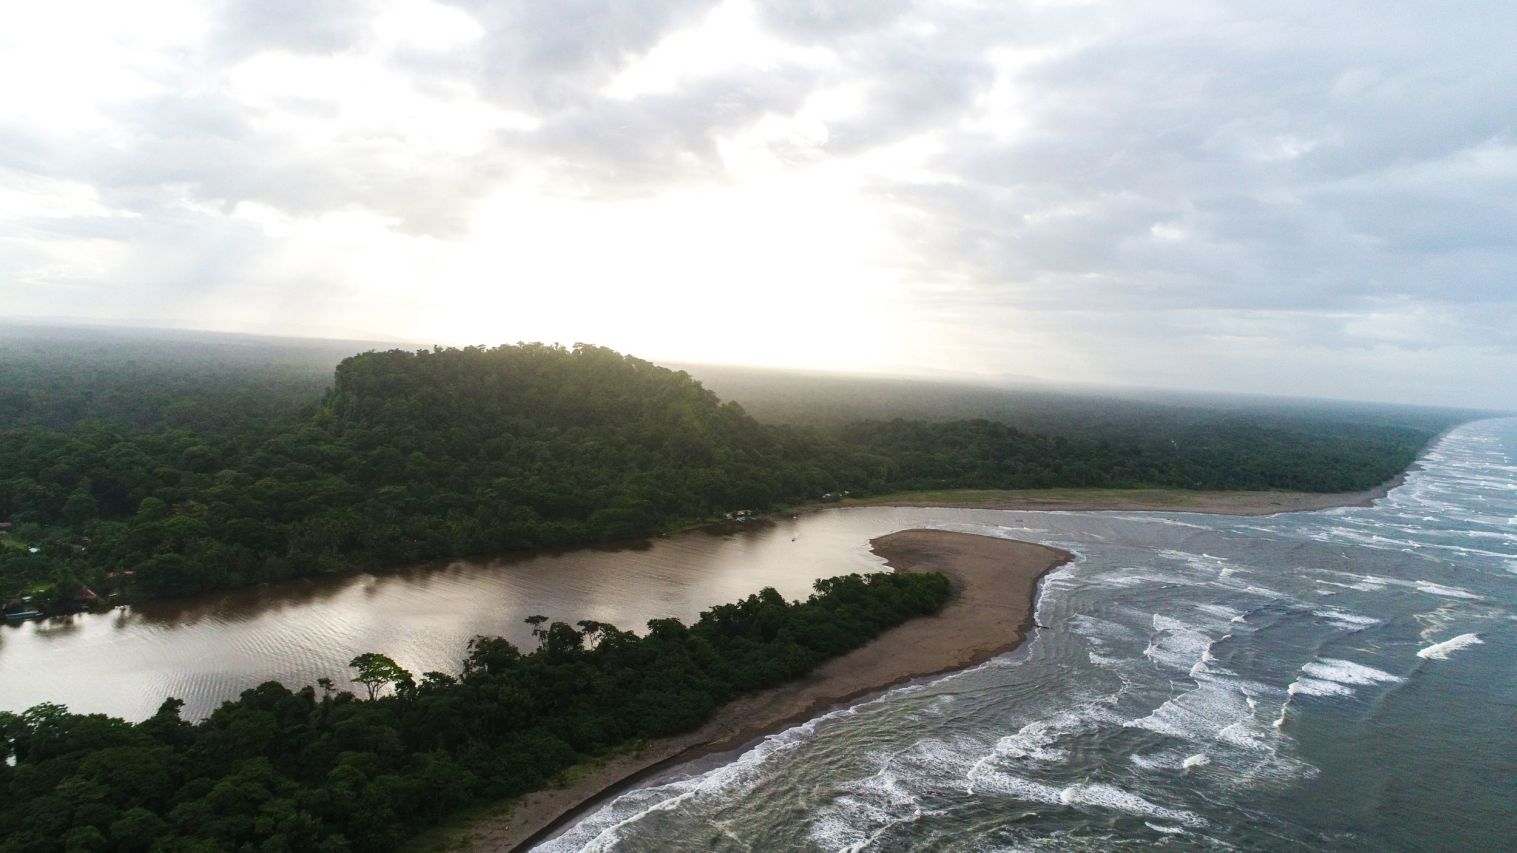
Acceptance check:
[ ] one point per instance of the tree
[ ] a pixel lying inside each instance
(538, 630)
(376, 670)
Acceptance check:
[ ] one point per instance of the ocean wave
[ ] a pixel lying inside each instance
(1446, 591)
(1373, 583)
(854, 821)
(1111, 797)
(1101, 631)
(1210, 712)
(1318, 687)
(1036, 740)
(1345, 619)
(1200, 759)
(1176, 644)
(1348, 672)
(1220, 612)
(1167, 760)
(1332, 677)
(1014, 786)
(603, 828)
(1132, 577)
(1441, 651)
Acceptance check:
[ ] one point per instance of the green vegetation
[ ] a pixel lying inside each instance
(1237, 453)
(189, 467)
(278, 770)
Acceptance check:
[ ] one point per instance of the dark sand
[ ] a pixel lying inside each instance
(995, 591)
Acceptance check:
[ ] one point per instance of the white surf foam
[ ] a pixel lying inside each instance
(602, 829)
(1014, 786)
(1111, 797)
(1037, 741)
(856, 820)
(1176, 644)
(1318, 687)
(1441, 651)
(1332, 677)
(1348, 672)
(1373, 583)
(1344, 619)
(1446, 591)
(1214, 711)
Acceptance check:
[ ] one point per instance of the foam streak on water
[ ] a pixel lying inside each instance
(1278, 682)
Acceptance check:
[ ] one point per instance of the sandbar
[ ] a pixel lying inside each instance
(995, 593)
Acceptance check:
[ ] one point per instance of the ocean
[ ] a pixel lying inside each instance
(1335, 680)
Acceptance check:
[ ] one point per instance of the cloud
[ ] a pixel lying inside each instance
(1114, 185)
(243, 28)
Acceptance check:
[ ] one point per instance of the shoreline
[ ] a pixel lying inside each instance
(996, 585)
(1242, 503)
(1210, 502)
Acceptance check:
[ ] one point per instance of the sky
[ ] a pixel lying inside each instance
(1298, 198)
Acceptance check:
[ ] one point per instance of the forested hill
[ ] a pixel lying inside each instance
(415, 455)
(544, 445)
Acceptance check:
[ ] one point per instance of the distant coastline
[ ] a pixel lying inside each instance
(1133, 500)
(995, 585)
(1211, 502)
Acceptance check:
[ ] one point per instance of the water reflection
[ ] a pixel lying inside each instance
(207, 649)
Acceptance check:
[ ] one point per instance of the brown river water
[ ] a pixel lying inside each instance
(208, 649)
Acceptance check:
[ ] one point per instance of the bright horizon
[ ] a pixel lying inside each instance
(1290, 201)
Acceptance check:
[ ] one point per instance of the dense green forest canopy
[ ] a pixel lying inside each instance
(181, 466)
(282, 770)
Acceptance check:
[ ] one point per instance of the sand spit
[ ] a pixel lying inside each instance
(995, 591)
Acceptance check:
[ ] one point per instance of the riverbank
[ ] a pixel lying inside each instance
(995, 592)
(1132, 500)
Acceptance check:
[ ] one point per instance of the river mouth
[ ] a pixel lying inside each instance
(1336, 680)
(1324, 680)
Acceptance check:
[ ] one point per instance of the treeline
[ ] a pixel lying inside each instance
(1239, 452)
(452, 452)
(410, 456)
(282, 770)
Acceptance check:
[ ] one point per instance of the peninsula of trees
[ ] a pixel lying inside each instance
(125, 474)
(278, 770)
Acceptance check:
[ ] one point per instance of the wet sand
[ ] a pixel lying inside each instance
(995, 591)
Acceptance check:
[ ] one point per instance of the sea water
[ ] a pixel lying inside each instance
(1336, 680)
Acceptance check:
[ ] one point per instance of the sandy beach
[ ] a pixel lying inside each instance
(995, 582)
(995, 590)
